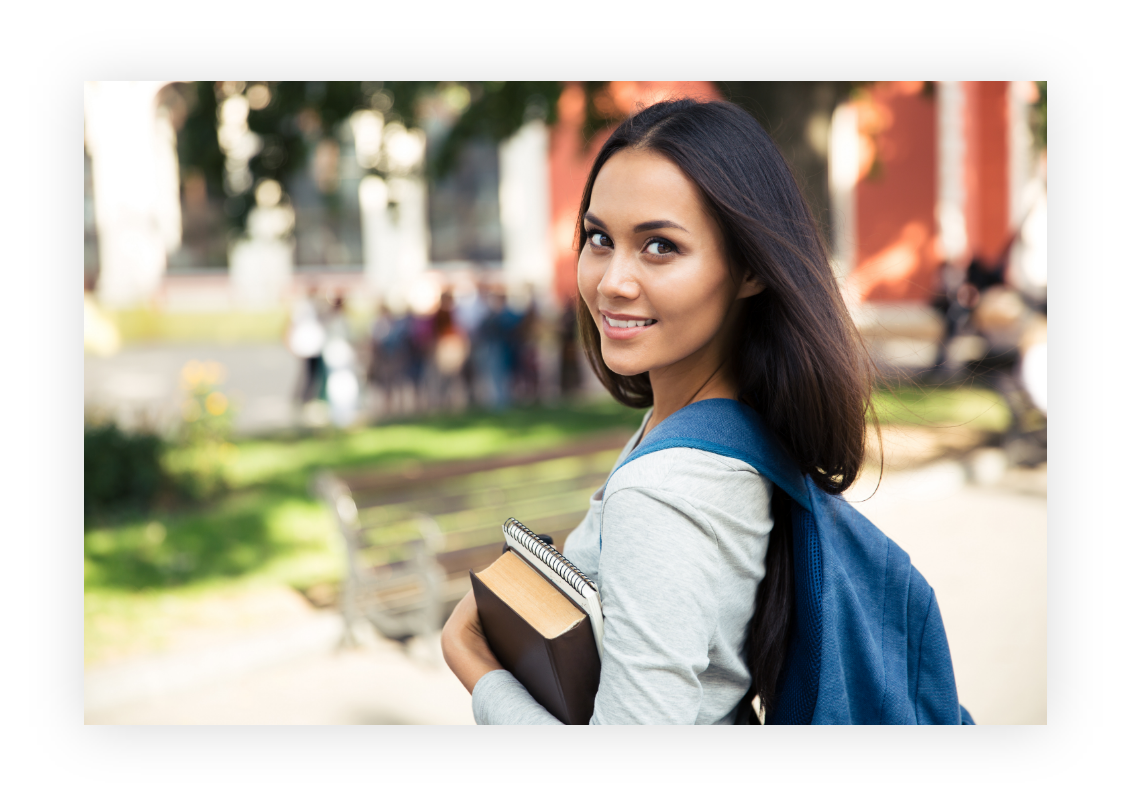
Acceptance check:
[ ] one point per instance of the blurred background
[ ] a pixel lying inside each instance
(330, 347)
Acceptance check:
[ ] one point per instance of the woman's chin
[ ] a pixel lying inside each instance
(624, 369)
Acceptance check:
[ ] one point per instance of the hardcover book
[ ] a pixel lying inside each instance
(542, 618)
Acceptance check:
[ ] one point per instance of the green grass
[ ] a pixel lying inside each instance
(269, 530)
(146, 576)
(925, 405)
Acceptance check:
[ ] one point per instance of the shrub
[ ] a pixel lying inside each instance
(121, 471)
(202, 438)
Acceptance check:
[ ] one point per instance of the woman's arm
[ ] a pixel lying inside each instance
(659, 575)
(465, 646)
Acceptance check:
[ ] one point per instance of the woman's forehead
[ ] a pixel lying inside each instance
(642, 185)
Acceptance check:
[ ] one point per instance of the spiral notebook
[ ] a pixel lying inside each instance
(542, 618)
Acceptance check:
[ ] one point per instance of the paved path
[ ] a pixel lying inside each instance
(144, 382)
(378, 682)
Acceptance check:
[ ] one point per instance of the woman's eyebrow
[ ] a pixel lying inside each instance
(650, 225)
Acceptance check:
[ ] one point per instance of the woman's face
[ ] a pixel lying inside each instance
(653, 269)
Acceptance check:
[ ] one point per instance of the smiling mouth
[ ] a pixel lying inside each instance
(628, 322)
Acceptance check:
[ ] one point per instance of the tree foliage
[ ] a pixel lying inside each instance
(300, 114)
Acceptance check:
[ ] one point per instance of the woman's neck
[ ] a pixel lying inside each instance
(672, 389)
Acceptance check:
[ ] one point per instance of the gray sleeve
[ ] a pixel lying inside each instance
(659, 571)
(500, 699)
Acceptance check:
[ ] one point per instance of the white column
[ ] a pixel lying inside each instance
(377, 235)
(950, 208)
(131, 189)
(844, 170)
(524, 210)
(410, 228)
(394, 212)
(261, 265)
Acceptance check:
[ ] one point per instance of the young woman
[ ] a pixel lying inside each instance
(702, 276)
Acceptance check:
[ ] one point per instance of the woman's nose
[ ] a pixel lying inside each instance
(619, 281)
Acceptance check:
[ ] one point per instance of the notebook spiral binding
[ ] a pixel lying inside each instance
(549, 556)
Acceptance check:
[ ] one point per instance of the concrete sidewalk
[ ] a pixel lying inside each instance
(306, 680)
(143, 383)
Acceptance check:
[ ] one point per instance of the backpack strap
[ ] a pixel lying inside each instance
(732, 429)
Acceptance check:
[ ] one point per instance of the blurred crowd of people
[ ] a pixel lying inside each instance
(995, 312)
(472, 350)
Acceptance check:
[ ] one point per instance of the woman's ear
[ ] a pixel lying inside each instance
(751, 286)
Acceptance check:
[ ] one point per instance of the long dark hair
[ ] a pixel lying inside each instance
(798, 359)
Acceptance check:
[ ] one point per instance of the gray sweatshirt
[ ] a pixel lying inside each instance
(676, 543)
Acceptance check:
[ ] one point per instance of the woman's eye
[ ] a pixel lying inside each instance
(658, 247)
(598, 240)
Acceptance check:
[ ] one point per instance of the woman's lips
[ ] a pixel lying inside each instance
(622, 333)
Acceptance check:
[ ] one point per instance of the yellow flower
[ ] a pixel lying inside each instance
(191, 374)
(216, 404)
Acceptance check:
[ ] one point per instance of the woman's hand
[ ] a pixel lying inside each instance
(464, 645)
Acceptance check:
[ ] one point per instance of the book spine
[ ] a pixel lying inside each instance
(577, 673)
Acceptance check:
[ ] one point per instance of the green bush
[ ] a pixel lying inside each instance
(202, 445)
(122, 471)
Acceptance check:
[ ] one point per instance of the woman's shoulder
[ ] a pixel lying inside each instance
(677, 494)
(688, 473)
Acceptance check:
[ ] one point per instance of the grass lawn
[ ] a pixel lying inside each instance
(974, 407)
(149, 578)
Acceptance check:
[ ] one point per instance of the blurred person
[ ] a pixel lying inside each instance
(469, 312)
(982, 301)
(569, 370)
(342, 388)
(959, 291)
(492, 352)
(707, 297)
(512, 346)
(421, 368)
(388, 368)
(526, 337)
(306, 337)
(449, 353)
(1016, 368)
(379, 367)
(396, 350)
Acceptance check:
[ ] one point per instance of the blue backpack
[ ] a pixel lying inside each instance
(867, 644)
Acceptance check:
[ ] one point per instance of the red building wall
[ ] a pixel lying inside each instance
(987, 168)
(896, 256)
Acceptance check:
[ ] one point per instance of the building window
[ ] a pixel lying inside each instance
(463, 208)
